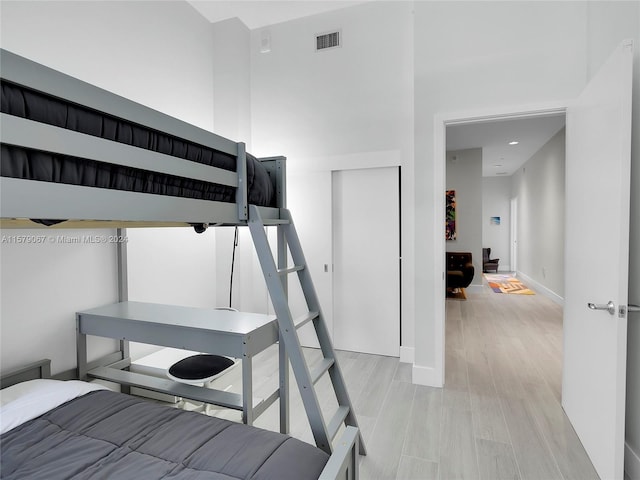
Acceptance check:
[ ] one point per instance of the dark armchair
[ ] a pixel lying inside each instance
(489, 264)
(460, 270)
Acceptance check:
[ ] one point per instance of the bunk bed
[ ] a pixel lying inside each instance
(77, 156)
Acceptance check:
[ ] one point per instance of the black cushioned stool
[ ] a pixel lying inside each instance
(200, 369)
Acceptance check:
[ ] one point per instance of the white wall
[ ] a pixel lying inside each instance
(151, 52)
(232, 119)
(144, 51)
(464, 175)
(174, 266)
(348, 107)
(232, 80)
(42, 286)
(539, 186)
(496, 198)
(352, 99)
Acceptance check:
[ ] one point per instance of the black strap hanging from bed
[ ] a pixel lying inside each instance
(233, 261)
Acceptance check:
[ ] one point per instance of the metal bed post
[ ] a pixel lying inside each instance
(247, 389)
(81, 351)
(123, 281)
(241, 192)
(123, 290)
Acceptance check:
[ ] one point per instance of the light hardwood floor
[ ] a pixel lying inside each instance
(498, 416)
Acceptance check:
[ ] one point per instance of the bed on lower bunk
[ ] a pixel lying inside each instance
(54, 429)
(77, 156)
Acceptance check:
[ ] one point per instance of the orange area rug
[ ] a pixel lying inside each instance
(507, 284)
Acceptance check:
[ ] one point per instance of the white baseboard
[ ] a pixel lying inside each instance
(427, 376)
(631, 463)
(407, 354)
(541, 289)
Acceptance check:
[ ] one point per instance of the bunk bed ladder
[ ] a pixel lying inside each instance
(323, 431)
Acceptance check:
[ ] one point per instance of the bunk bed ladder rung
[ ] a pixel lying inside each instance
(287, 271)
(304, 319)
(337, 420)
(321, 368)
(271, 222)
(323, 431)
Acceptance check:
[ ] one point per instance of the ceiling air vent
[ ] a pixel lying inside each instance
(328, 40)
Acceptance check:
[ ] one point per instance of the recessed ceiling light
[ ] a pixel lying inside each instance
(515, 142)
(497, 165)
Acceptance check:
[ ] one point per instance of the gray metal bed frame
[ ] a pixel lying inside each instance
(21, 199)
(87, 207)
(39, 369)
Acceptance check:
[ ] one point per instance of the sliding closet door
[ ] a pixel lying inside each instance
(366, 243)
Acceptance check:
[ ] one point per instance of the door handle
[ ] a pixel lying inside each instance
(633, 308)
(609, 307)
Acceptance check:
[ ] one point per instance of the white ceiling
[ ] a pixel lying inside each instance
(498, 157)
(260, 13)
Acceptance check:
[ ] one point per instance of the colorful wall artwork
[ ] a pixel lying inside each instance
(450, 225)
(494, 220)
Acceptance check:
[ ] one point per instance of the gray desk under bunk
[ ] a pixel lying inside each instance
(234, 334)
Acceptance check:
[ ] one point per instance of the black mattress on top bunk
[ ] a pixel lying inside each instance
(30, 164)
(104, 434)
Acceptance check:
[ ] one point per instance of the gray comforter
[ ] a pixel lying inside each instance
(107, 435)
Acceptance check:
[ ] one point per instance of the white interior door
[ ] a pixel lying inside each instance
(366, 283)
(597, 260)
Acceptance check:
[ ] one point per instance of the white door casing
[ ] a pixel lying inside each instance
(598, 158)
(366, 316)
